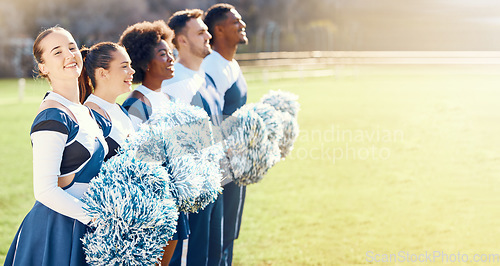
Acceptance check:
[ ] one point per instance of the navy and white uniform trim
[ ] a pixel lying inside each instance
(119, 123)
(139, 111)
(229, 81)
(195, 88)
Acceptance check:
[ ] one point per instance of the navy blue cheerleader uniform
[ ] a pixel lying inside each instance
(204, 245)
(51, 232)
(232, 88)
(139, 113)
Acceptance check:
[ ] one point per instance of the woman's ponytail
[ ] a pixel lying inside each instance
(84, 82)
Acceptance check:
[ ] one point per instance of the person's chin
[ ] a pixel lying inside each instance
(74, 74)
(127, 89)
(244, 40)
(207, 52)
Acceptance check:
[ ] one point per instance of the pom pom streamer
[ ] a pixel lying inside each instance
(288, 104)
(282, 101)
(171, 164)
(176, 137)
(274, 125)
(248, 146)
(212, 176)
(134, 214)
(290, 134)
(259, 135)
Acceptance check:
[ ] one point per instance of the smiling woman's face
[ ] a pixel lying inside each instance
(120, 72)
(162, 65)
(61, 57)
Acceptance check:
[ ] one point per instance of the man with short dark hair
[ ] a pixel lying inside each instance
(191, 86)
(228, 31)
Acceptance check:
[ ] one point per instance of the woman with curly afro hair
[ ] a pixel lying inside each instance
(152, 59)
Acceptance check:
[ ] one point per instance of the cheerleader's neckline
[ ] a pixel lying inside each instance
(63, 100)
(101, 102)
(145, 90)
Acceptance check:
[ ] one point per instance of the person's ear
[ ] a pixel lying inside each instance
(43, 69)
(102, 73)
(181, 40)
(218, 29)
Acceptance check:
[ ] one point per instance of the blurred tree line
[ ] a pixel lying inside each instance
(272, 25)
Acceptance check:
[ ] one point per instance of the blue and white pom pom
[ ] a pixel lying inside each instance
(176, 137)
(170, 164)
(152, 144)
(211, 173)
(273, 121)
(191, 135)
(289, 106)
(134, 215)
(249, 149)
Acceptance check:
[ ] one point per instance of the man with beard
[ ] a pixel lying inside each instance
(228, 31)
(191, 86)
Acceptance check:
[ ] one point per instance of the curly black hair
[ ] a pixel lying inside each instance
(214, 15)
(140, 41)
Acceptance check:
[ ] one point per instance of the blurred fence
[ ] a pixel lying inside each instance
(16, 60)
(276, 65)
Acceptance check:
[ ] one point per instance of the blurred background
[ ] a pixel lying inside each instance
(273, 25)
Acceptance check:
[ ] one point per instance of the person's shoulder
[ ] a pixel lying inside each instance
(214, 59)
(53, 116)
(179, 76)
(235, 64)
(52, 104)
(55, 108)
(134, 97)
(181, 73)
(138, 105)
(95, 108)
(213, 66)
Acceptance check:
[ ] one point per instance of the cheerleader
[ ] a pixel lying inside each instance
(152, 59)
(107, 73)
(191, 86)
(68, 150)
(228, 30)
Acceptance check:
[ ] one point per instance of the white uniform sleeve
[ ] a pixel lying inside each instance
(48, 147)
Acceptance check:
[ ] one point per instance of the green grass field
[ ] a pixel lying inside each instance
(390, 159)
